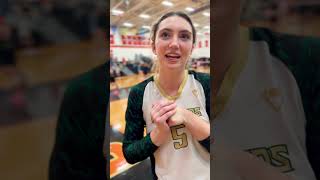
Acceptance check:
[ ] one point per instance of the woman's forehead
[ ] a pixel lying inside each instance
(175, 23)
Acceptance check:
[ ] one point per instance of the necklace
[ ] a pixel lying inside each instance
(162, 91)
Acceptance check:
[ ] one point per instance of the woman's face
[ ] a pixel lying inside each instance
(173, 43)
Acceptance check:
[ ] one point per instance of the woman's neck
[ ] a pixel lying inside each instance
(171, 81)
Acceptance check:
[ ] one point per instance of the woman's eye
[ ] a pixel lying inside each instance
(185, 37)
(165, 35)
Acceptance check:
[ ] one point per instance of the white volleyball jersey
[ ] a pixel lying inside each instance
(182, 157)
(261, 112)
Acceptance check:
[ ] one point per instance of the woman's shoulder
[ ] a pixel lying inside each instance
(140, 87)
(205, 77)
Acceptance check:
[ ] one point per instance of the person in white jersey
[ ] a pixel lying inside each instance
(174, 107)
(265, 99)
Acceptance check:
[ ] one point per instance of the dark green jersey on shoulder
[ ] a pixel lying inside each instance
(80, 134)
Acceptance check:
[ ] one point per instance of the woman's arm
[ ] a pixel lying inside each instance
(136, 147)
(78, 148)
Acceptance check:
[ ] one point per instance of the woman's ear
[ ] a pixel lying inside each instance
(153, 48)
(193, 45)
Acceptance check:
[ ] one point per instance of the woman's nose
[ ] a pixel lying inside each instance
(174, 42)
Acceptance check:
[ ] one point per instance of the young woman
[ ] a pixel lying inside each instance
(173, 105)
(265, 93)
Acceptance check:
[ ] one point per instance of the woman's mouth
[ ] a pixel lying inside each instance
(173, 57)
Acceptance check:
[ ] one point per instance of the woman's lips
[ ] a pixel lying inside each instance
(173, 57)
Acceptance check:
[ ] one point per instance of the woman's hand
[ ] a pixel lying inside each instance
(178, 118)
(161, 111)
(198, 127)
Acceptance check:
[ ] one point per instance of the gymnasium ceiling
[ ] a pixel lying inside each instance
(132, 9)
(259, 10)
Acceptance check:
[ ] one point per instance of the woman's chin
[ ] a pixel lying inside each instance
(174, 66)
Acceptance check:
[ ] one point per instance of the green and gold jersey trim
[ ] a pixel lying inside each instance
(232, 74)
(163, 93)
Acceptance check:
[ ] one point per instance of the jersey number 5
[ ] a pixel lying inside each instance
(180, 140)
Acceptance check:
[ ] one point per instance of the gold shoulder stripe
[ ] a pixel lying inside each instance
(232, 74)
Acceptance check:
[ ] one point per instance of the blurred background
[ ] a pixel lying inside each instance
(43, 45)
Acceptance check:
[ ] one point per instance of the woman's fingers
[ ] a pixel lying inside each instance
(165, 116)
(160, 108)
(166, 108)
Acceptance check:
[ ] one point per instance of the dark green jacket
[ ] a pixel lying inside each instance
(80, 133)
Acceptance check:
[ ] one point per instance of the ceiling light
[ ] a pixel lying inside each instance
(167, 3)
(206, 14)
(126, 24)
(189, 9)
(146, 27)
(144, 16)
(116, 12)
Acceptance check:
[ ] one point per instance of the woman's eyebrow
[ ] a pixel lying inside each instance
(166, 29)
(185, 31)
(170, 30)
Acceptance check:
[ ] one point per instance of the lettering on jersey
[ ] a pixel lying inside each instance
(277, 156)
(196, 111)
(180, 139)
